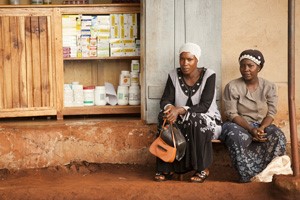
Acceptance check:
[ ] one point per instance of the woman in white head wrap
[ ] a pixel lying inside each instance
(189, 100)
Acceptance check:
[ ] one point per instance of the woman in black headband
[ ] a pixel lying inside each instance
(250, 107)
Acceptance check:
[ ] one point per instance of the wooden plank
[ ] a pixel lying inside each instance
(21, 12)
(79, 71)
(44, 61)
(7, 64)
(36, 61)
(58, 62)
(112, 70)
(142, 59)
(95, 72)
(23, 65)
(15, 61)
(101, 110)
(101, 9)
(51, 61)
(29, 74)
(24, 112)
(1, 64)
(107, 58)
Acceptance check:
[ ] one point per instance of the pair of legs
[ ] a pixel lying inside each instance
(249, 157)
(198, 177)
(198, 155)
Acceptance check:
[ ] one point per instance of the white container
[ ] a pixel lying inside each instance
(68, 95)
(14, 2)
(47, 1)
(35, 2)
(122, 95)
(134, 78)
(134, 95)
(124, 78)
(100, 96)
(135, 66)
(88, 96)
(77, 95)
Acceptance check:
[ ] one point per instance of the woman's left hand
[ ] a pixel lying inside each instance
(258, 135)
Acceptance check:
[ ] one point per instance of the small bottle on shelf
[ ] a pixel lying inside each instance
(134, 95)
(122, 95)
(100, 96)
(124, 78)
(36, 2)
(88, 95)
(47, 1)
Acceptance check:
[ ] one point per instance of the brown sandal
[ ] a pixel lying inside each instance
(159, 177)
(199, 177)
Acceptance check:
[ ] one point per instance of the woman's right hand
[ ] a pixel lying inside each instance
(172, 112)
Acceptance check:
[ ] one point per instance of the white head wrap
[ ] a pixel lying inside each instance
(191, 48)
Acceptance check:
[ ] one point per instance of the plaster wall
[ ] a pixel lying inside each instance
(38, 144)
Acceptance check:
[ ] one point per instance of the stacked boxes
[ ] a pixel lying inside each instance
(84, 44)
(71, 33)
(100, 35)
(101, 32)
(123, 34)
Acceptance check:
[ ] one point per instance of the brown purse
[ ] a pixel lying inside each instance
(161, 149)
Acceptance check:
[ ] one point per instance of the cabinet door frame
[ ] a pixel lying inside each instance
(46, 87)
(94, 9)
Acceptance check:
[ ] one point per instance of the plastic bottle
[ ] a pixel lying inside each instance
(78, 94)
(134, 78)
(88, 96)
(100, 96)
(122, 95)
(135, 66)
(36, 2)
(68, 95)
(47, 1)
(124, 78)
(134, 95)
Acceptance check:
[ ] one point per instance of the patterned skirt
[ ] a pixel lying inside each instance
(248, 157)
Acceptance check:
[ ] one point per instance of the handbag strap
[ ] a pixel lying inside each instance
(173, 136)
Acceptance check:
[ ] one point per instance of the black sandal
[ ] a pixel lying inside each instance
(199, 177)
(159, 176)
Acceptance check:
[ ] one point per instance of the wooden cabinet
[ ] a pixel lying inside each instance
(33, 70)
(27, 70)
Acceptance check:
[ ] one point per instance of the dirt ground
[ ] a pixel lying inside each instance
(86, 181)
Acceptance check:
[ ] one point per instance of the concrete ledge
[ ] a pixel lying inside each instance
(50, 143)
(39, 144)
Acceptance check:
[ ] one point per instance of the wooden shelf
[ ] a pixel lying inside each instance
(90, 110)
(42, 93)
(107, 58)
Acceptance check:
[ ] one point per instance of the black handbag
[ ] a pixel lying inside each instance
(179, 139)
(163, 150)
